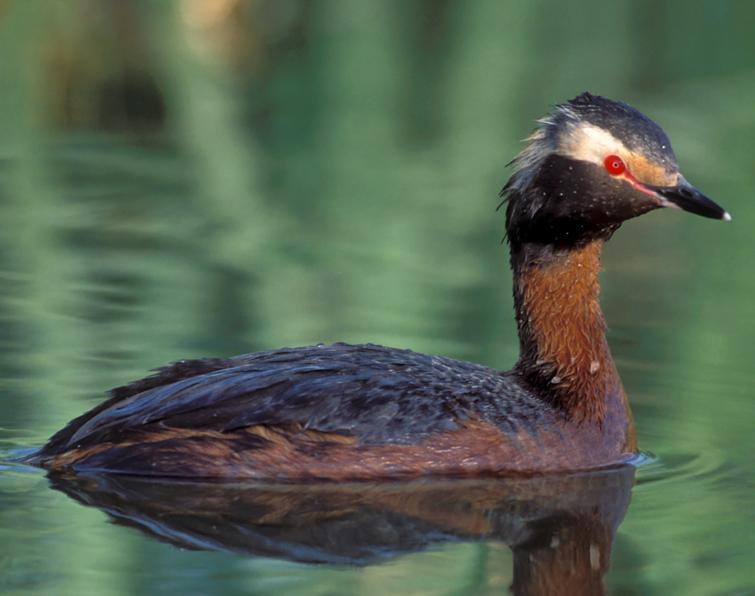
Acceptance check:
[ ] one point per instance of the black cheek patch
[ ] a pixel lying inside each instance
(572, 202)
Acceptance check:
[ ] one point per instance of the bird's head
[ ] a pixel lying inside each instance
(590, 165)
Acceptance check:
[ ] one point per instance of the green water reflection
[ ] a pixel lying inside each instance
(209, 178)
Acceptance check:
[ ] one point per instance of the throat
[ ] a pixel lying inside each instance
(563, 349)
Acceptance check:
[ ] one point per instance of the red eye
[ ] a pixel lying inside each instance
(614, 165)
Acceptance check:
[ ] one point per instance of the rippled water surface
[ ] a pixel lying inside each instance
(310, 173)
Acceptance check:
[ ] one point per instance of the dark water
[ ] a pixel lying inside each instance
(312, 173)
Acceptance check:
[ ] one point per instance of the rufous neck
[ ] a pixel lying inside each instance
(563, 349)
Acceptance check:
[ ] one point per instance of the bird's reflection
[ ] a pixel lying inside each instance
(560, 527)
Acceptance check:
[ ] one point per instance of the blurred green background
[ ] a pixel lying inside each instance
(209, 177)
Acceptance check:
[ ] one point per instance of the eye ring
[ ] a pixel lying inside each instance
(614, 165)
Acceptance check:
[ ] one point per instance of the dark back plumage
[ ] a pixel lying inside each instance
(375, 394)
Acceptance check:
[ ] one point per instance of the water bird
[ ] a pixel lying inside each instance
(361, 412)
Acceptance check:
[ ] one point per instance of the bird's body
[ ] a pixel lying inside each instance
(332, 412)
(365, 412)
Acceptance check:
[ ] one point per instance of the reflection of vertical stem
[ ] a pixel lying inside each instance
(208, 120)
(31, 217)
(358, 60)
(31, 212)
(479, 570)
(237, 227)
(482, 94)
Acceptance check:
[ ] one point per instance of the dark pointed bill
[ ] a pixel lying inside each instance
(687, 197)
